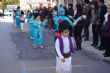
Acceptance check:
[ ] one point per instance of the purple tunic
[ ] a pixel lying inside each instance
(107, 34)
(62, 45)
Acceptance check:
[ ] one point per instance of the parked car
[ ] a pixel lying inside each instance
(10, 12)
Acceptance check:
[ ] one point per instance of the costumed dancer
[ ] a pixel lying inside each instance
(17, 17)
(64, 46)
(28, 15)
(45, 22)
(31, 21)
(61, 10)
(22, 18)
(38, 36)
(59, 19)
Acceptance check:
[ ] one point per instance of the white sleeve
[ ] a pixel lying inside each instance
(57, 44)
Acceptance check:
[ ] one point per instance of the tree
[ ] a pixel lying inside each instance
(3, 3)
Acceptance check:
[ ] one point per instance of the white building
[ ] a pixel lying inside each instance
(24, 5)
(67, 2)
(37, 3)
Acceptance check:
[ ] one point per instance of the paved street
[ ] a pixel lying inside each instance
(18, 56)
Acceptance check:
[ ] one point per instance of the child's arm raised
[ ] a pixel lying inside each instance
(75, 21)
(79, 19)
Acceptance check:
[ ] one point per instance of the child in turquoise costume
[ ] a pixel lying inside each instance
(38, 36)
(31, 21)
(28, 15)
(22, 18)
(61, 10)
(17, 17)
(61, 16)
(45, 23)
(59, 19)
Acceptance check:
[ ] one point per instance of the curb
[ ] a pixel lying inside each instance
(93, 52)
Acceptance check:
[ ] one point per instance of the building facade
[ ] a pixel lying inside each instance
(67, 2)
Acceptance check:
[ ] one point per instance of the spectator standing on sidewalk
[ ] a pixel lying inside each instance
(106, 34)
(54, 15)
(78, 28)
(70, 11)
(50, 18)
(88, 13)
(94, 24)
(101, 12)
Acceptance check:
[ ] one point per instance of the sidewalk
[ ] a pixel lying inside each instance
(93, 51)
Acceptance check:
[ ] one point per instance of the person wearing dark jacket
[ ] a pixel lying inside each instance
(78, 28)
(88, 13)
(70, 11)
(102, 11)
(106, 34)
(94, 24)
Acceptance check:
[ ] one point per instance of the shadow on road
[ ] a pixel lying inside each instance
(27, 52)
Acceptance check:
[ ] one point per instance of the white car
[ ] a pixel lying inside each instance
(9, 12)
